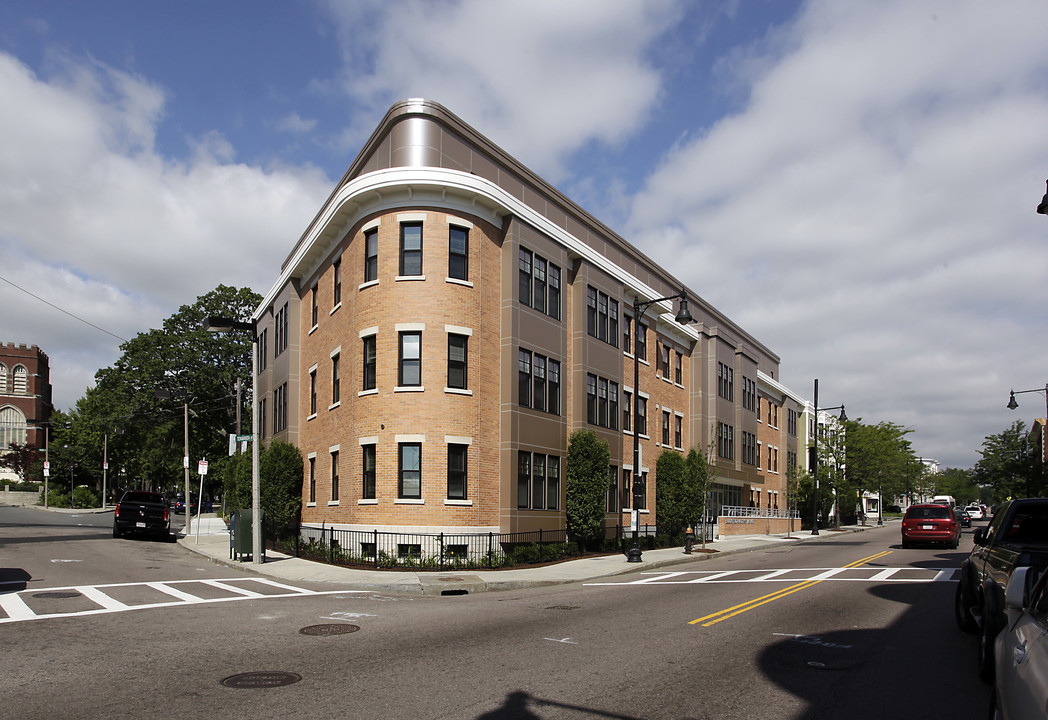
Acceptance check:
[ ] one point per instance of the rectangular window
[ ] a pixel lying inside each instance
(642, 416)
(552, 482)
(602, 317)
(553, 403)
(540, 285)
(642, 341)
(591, 311)
(457, 463)
(334, 475)
(411, 249)
(678, 370)
(627, 334)
(262, 418)
(538, 481)
(370, 353)
(523, 479)
(613, 321)
(613, 405)
(627, 410)
(458, 253)
(312, 392)
(749, 448)
(368, 468)
(726, 381)
(726, 441)
(602, 402)
(337, 288)
(613, 489)
(313, 295)
(678, 432)
(591, 399)
(458, 346)
(336, 392)
(665, 427)
(627, 491)
(409, 485)
(280, 331)
(263, 350)
(410, 371)
(642, 491)
(525, 277)
(553, 304)
(280, 408)
(538, 395)
(312, 480)
(371, 255)
(664, 360)
(524, 378)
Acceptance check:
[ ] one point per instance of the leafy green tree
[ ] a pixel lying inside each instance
(671, 493)
(879, 458)
(145, 433)
(586, 487)
(25, 461)
(958, 483)
(280, 488)
(1009, 466)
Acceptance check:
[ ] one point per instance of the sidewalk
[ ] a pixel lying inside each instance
(213, 543)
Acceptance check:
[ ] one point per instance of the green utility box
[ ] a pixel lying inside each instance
(240, 536)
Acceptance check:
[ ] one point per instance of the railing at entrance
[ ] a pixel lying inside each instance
(757, 512)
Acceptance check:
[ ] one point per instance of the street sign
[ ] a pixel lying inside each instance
(202, 468)
(243, 438)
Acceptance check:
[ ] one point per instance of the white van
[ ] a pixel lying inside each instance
(944, 500)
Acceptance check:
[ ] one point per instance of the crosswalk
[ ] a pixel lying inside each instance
(904, 574)
(80, 600)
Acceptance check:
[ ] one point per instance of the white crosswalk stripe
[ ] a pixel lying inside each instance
(904, 574)
(41, 603)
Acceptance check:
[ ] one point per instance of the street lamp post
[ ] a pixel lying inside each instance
(1043, 207)
(1011, 400)
(222, 324)
(814, 459)
(683, 317)
(105, 460)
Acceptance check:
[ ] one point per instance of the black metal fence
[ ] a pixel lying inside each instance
(445, 551)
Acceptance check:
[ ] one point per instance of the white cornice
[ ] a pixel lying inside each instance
(453, 190)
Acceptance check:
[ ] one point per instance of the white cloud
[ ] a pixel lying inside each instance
(95, 221)
(296, 124)
(541, 78)
(870, 214)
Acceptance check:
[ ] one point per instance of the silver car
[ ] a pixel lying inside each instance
(1021, 685)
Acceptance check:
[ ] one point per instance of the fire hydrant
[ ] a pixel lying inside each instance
(689, 540)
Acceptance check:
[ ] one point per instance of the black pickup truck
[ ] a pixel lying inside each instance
(141, 512)
(1016, 537)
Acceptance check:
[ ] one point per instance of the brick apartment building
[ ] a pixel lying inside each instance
(25, 395)
(448, 319)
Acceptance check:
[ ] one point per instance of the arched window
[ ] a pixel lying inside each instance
(21, 378)
(3, 379)
(12, 427)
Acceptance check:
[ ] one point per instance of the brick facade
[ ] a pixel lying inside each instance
(25, 394)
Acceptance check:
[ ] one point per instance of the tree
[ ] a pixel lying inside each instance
(671, 493)
(586, 487)
(880, 459)
(280, 488)
(190, 364)
(1009, 466)
(24, 460)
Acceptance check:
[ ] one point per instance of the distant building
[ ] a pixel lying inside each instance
(448, 319)
(25, 397)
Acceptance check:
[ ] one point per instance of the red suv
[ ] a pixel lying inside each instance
(930, 524)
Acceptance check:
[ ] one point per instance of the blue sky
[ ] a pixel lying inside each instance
(854, 183)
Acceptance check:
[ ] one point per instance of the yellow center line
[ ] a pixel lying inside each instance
(716, 617)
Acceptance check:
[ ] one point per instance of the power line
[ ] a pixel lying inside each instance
(62, 310)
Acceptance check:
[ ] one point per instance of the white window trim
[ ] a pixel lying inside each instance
(410, 327)
(458, 330)
(412, 217)
(408, 278)
(368, 332)
(456, 281)
(409, 388)
(409, 501)
(460, 503)
(367, 501)
(363, 285)
(409, 438)
(371, 225)
(336, 351)
(369, 440)
(457, 440)
(362, 393)
(459, 222)
(457, 391)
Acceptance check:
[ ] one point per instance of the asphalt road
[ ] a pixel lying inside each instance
(791, 632)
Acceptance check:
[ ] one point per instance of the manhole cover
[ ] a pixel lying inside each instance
(563, 607)
(58, 594)
(330, 629)
(253, 680)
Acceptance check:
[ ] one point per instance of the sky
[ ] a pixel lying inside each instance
(854, 183)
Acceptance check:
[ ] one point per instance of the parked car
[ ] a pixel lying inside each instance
(180, 504)
(1016, 537)
(141, 512)
(1021, 650)
(963, 517)
(930, 524)
(975, 511)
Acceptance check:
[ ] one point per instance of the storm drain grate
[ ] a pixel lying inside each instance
(58, 594)
(329, 629)
(256, 680)
(563, 607)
